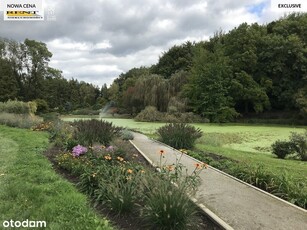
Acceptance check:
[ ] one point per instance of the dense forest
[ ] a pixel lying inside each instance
(250, 70)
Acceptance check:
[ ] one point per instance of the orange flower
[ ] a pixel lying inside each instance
(170, 167)
(108, 157)
(201, 165)
(120, 158)
(142, 171)
(162, 152)
(129, 171)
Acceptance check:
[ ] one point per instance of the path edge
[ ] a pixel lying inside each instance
(215, 218)
(241, 181)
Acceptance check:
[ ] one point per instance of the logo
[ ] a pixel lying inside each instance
(286, 6)
(21, 10)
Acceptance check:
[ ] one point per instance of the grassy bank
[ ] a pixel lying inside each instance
(31, 189)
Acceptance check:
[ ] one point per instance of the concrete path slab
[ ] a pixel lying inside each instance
(240, 205)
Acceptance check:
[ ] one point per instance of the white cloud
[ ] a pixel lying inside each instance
(96, 40)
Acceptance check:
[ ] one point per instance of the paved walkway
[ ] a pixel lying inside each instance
(239, 205)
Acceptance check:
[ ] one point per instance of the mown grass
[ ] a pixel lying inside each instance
(31, 189)
(246, 143)
(243, 137)
(295, 168)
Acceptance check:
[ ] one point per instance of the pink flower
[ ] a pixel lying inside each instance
(78, 150)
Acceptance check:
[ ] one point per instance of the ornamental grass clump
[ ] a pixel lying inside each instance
(179, 135)
(120, 187)
(167, 206)
(93, 131)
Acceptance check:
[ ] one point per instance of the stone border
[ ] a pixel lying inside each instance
(221, 223)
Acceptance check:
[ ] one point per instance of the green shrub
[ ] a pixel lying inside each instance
(282, 148)
(32, 107)
(170, 118)
(17, 107)
(19, 120)
(70, 143)
(299, 143)
(179, 135)
(93, 131)
(126, 135)
(150, 113)
(61, 133)
(42, 106)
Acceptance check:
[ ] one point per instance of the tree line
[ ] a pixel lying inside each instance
(25, 75)
(252, 69)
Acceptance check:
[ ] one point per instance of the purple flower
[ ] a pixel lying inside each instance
(110, 148)
(78, 150)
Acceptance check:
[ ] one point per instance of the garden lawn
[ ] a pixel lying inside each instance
(245, 143)
(295, 168)
(31, 190)
(250, 138)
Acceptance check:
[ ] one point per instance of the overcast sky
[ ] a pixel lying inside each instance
(96, 40)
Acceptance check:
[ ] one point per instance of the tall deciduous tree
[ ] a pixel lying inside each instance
(37, 57)
(8, 83)
(175, 59)
(208, 89)
(248, 93)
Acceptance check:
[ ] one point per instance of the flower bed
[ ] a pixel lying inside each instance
(123, 186)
